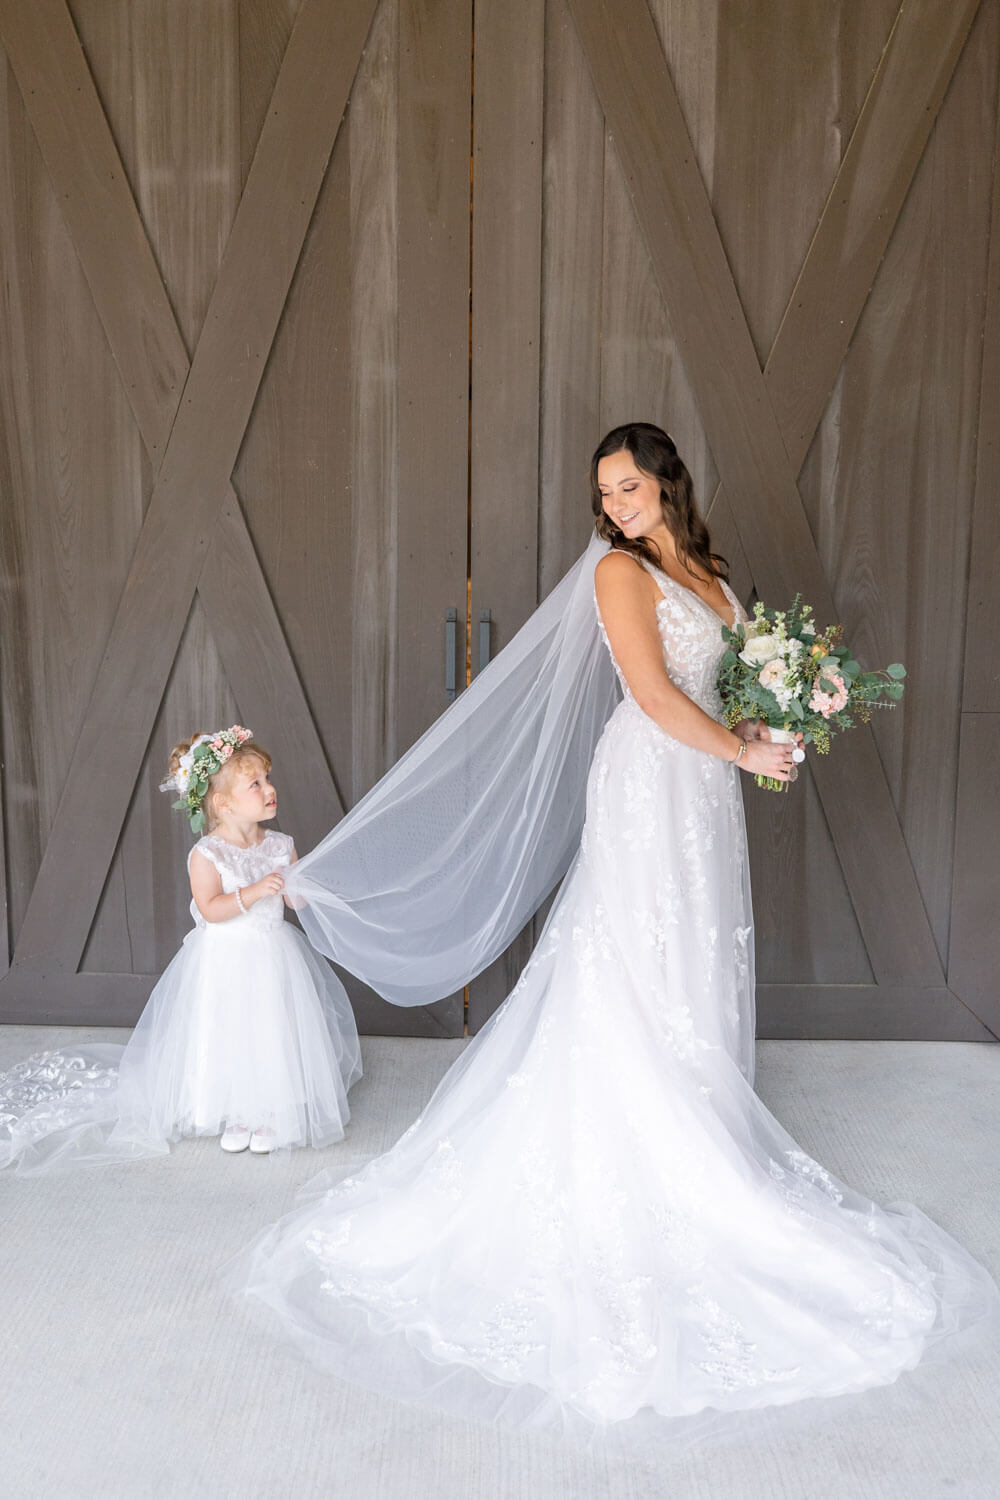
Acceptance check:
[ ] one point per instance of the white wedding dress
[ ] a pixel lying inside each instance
(595, 1216)
(246, 1024)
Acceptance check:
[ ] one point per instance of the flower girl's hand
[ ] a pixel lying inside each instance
(268, 885)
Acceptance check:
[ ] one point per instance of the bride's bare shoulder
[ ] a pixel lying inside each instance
(620, 573)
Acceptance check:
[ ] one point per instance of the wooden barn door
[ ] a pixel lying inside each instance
(766, 227)
(235, 254)
(242, 476)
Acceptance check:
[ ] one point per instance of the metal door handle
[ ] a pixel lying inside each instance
(450, 651)
(484, 638)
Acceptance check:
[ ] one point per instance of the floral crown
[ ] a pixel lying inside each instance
(196, 767)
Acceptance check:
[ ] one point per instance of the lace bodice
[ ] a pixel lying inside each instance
(691, 633)
(241, 867)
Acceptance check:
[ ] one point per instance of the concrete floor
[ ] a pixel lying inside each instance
(128, 1376)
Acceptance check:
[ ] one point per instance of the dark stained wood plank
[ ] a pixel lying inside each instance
(175, 129)
(237, 602)
(193, 479)
(49, 998)
(368, 538)
(372, 138)
(981, 678)
(805, 929)
(432, 419)
(4, 908)
(263, 676)
(642, 373)
(974, 947)
(639, 101)
(769, 183)
(572, 272)
(768, 188)
(435, 49)
(506, 314)
(71, 514)
(843, 259)
(864, 203)
(196, 697)
(974, 955)
(294, 473)
(55, 82)
(661, 171)
(264, 29)
(900, 435)
(24, 725)
(54, 998)
(505, 377)
(866, 1012)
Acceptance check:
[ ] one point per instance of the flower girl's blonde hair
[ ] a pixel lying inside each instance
(239, 750)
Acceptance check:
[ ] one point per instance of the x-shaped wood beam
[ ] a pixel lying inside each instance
(192, 418)
(760, 423)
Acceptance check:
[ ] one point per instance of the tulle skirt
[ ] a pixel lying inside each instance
(596, 1219)
(246, 1025)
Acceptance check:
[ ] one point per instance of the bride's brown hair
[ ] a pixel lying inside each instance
(654, 453)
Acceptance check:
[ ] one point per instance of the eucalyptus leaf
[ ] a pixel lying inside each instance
(896, 670)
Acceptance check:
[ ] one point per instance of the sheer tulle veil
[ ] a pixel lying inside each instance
(432, 874)
(415, 891)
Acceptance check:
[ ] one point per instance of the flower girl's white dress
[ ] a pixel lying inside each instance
(595, 1214)
(246, 1025)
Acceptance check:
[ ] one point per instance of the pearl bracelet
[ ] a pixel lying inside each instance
(239, 902)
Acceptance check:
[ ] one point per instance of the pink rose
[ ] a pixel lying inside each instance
(773, 674)
(829, 703)
(216, 743)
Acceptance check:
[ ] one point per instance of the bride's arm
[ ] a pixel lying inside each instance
(626, 598)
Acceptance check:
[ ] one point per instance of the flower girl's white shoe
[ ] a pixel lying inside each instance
(262, 1140)
(235, 1138)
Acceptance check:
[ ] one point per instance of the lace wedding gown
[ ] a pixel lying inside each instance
(595, 1215)
(246, 1024)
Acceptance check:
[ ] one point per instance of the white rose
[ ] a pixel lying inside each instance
(760, 649)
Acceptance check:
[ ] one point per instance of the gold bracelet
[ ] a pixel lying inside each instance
(740, 752)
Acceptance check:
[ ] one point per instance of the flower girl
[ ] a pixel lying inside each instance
(247, 1027)
(248, 1035)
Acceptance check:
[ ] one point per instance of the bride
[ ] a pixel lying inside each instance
(595, 1215)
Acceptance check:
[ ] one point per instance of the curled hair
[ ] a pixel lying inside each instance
(654, 453)
(223, 777)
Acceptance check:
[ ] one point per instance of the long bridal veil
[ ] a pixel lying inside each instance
(432, 874)
(415, 891)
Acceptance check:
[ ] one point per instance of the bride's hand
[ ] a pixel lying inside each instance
(752, 729)
(762, 758)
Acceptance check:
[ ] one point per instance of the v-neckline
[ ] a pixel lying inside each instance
(704, 602)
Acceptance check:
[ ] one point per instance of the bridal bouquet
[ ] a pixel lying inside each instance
(781, 671)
